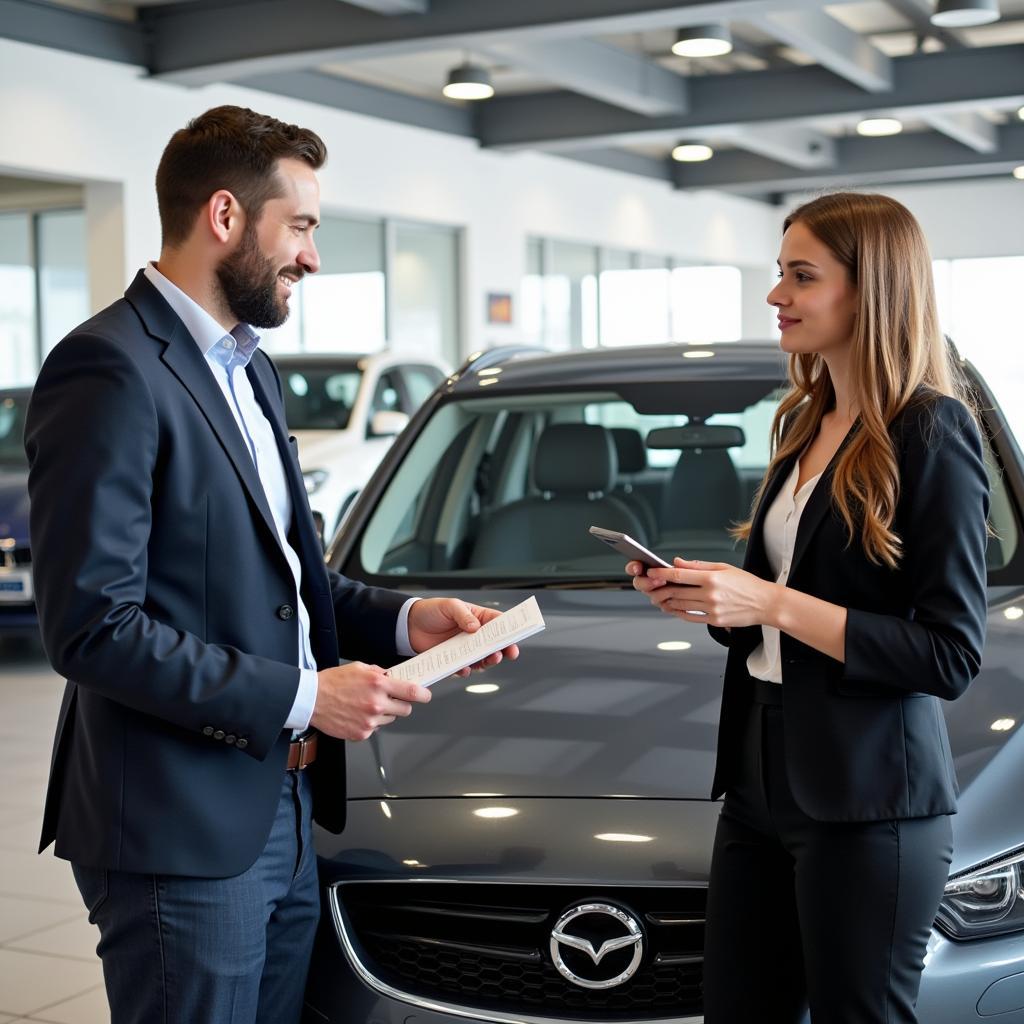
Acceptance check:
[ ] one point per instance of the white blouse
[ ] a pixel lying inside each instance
(780, 525)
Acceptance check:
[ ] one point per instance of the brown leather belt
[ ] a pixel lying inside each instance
(302, 752)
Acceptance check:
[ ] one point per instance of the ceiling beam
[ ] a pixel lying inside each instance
(923, 156)
(967, 127)
(948, 81)
(788, 144)
(76, 31)
(624, 160)
(603, 72)
(360, 98)
(198, 44)
(833, 45)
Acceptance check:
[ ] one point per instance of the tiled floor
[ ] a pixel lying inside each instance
(48, 965)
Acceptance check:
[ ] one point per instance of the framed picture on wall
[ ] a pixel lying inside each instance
(499, 308)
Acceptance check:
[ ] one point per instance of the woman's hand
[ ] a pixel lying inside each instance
(726, 596)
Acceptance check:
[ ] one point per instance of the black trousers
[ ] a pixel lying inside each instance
(806, 913)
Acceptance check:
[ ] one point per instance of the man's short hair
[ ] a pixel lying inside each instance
(231, 148)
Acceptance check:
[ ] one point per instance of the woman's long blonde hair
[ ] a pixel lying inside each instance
(897, 349)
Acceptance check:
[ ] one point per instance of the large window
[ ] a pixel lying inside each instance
(581, 296)
(981, 307)
(44, 287)
(379, 283)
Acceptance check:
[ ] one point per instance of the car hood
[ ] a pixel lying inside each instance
(321, 445)
(14, 505)
(595, 708)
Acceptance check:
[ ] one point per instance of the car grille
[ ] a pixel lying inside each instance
(486, 946)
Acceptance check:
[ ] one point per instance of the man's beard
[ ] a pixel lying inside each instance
(248, 283)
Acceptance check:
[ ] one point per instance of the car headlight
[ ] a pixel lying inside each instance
(314, 479)
(984, 901)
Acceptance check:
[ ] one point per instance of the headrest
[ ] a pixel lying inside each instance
(575, 458)
(630, 449)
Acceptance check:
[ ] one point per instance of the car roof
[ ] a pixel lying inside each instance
(521, 367)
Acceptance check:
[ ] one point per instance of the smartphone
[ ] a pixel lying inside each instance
(631, 549)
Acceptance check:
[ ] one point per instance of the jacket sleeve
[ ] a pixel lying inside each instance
(945, 489)
(721, 635)
(92, 438)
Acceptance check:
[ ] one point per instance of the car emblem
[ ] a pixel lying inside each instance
(598, 930)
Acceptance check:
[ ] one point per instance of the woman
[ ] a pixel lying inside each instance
(860, 603)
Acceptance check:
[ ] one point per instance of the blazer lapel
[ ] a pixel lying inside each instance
(308, 542)
(182, 356)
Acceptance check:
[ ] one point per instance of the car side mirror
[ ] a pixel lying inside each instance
(388, 424)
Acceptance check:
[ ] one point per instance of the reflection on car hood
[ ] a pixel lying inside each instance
(594, 708)
(14, 505)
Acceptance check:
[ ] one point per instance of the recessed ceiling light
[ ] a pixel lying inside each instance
(877, 126)
(1020, 113)
(965, 13)
(692, 153)
(1003, 724)
(623, 837)
(698, 353)
(483, 688)
(469, 82)
(1013, 613)
(1018, 172)
(674, 645)
(703, 41)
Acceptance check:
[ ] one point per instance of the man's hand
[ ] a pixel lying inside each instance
(727, 596)
(355, 700)
(436, 619)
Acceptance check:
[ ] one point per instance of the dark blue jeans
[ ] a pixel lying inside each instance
(212, 950)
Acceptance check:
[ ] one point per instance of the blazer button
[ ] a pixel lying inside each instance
(207, 730)
(219, 734)
(229, 738)
(286, 611)
(241, 743)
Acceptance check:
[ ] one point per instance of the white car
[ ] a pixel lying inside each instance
(345, 411)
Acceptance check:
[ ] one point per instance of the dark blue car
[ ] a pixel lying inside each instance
(17, 608)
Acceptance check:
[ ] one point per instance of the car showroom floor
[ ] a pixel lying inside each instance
(48, 965)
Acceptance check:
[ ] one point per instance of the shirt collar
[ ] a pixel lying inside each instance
(207, 333)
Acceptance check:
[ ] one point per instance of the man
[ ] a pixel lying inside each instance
(182, 592)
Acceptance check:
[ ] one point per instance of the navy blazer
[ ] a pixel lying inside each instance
(866, 739)
(166, 601)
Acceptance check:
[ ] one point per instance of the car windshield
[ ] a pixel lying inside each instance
(318, 396)
(12, 430)
(503, 488)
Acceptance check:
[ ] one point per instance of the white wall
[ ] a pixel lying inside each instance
(78, 119)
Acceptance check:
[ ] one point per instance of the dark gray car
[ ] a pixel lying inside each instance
(535, 843)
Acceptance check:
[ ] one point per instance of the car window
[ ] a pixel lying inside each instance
(386, 396)
(12, 430)
(318, 398)
(496, 486)
(420, 382)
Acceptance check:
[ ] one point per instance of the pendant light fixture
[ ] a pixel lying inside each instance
(703, 41)
(469, 82)
(965, 13)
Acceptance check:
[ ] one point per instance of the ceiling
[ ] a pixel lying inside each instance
(596, 81)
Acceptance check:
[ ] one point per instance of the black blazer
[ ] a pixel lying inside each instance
(866, 740)
(165, 600)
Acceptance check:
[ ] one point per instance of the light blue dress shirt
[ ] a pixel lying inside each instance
(227, 355)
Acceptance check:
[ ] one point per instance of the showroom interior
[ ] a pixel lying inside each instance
(611, 188)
